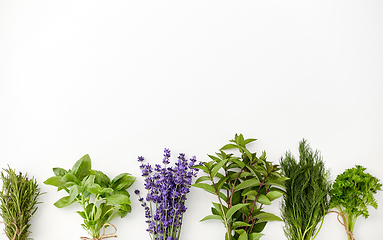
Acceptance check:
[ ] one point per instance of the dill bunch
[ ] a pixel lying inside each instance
(18, 200)
(307, 193)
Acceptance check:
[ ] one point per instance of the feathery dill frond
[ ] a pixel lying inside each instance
(307, 198)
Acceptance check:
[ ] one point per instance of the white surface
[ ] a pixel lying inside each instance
(118, 79)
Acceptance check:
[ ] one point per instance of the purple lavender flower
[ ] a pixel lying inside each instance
(167, 188)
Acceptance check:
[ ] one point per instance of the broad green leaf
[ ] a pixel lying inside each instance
(209, 217)
(235, 208)
(98, 213)
(245, 174)
(101, 178)
(89, 208)
(255, 236)
(122, 181)
(118, 199)
(70, 179)
(59, 171)
(217, 207)
(210, 189)
(274, 195)
(94, 188)
(275, 182)
(214, 158)
(247, 141)
(89, 180)
(258, 227)
(263, 199)
(119, 177)
(81, 167)
(243, 236)
(247, 183)
(201, 167)
(240, 140)
(267, 217)
(105, 209)
(229, 146)
(55, 181)
(221, 182)
(107, 190)
(217, 167)
(74, 191)
(63, 202)
(249, 155)
(82, 214)
(239, 163)
(123, 192)
(238, 224)
(251, 192)
(203, 178)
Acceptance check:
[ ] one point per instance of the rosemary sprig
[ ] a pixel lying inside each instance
(307, 199)
(18, 200)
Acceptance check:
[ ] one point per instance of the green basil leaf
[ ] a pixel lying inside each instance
(94, 188)
(73, 193)
(107, 190)
(55, 181)
(102, 179)
(63, 202)
(89, 180)
(59, 171)
(82, 214)
(118, 199)
(81, 167)
(122, 181)
(70, 179)
(98, 213)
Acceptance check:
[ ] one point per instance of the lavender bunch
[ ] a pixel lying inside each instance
(165, 200)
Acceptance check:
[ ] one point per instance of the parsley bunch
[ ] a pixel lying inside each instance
(352, 192)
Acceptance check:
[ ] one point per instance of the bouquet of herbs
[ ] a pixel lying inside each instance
(351, 193)
(101, 199)
(243, 185)
(18, 200)
(167, 188)
(307, 198)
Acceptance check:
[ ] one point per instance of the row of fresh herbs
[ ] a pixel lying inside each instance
(243, 184)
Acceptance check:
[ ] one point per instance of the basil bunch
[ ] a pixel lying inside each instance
(111, 198)
(243, 186)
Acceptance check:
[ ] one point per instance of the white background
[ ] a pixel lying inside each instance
(119, 79)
